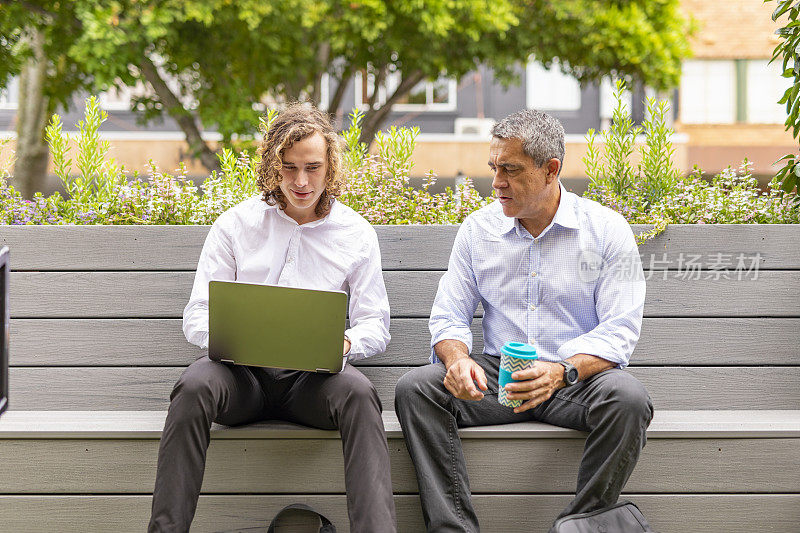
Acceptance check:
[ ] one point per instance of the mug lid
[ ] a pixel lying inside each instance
(519, 349)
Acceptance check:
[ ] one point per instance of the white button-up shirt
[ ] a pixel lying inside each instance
(258, 243)
(576, 288)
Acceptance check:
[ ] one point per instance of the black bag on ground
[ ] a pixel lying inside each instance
(622, 517)
(327, 526)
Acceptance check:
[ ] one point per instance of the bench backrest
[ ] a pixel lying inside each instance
(96, 314)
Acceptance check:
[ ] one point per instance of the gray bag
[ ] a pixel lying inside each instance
(622, 517)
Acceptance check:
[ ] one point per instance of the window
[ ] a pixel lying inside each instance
(708, 92)
(550, 89)
(116, 99)
(436, 95)
(725, 92)
(764, 88)
(9, 96)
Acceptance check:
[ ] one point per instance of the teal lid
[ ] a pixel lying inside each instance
(520, 350)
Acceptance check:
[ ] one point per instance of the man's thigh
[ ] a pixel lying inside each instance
(233, 388)
(573, 407)
(315, 399)
(486, 411)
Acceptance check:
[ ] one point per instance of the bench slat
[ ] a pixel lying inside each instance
(178, 247)
(160, 342)
(164, 295)
(668, 513)
(148, 388)
(256, 466)
(148, 425)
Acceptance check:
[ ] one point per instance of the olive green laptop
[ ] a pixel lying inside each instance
(280, 327)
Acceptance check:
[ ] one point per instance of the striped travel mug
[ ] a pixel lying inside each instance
(513, 356)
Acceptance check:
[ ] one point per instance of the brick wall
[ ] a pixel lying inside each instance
(733, 29)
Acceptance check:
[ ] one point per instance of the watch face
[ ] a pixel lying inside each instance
(572, 376)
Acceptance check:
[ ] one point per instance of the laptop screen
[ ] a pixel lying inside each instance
(4, 334)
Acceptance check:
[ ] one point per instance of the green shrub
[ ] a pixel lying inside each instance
(102, 192)
(654, 191)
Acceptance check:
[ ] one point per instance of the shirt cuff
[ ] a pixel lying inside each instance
(456, 334)
(356, 350)
(581, 345)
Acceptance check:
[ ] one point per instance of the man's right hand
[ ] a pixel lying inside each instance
(464, 378)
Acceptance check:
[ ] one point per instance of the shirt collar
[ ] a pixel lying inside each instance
(283, 215)
(565, 215)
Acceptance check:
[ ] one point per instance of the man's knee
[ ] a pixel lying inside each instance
(416, 384)
(632, 399)
(361, 391)
(195, 381)
(627, 398)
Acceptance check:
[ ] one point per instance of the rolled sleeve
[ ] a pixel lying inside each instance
(457, 296)
(619, 301)
(369, 304)
(216, 263)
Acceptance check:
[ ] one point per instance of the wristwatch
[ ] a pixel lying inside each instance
(570, 373)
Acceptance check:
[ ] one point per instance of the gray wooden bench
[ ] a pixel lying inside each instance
(96, 345)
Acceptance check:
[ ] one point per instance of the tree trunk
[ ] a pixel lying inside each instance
(30, 168)
(185, 119)
(374, 118)
(323, 58)
(337, 114)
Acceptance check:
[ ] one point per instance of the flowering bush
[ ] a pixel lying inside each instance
(379, 189)
(654, 192)
(102, 192)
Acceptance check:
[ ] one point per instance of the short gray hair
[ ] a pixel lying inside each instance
(542, 136)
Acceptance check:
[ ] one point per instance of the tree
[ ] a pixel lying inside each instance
(217, 63)
(32, 44)
(638, 40)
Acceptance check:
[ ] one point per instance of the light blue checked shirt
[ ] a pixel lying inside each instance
(576, 288)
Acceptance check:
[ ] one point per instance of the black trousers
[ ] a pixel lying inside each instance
(208, 392)
(612, 406)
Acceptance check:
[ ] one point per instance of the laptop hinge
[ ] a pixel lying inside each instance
(323, 370)
(227, 361)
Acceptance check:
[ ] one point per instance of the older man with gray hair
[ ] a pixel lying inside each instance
(525, 259)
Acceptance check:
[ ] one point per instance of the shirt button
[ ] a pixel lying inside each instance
(532, 308)
(290, 260)
(533, 274)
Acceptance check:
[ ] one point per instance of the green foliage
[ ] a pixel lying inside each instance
(225, 59)
(356, 151)
(644, 40)
(789, 50)
(731, 197)
(615, 180)
(619, 175)
(654, 192)
(379, 187)
(101, 192)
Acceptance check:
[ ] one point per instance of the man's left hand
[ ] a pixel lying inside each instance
(346, 346)
(536, 384)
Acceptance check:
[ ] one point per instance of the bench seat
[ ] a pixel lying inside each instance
(96, 347)
(75, 470)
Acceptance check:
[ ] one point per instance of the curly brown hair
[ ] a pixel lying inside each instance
(293, 124)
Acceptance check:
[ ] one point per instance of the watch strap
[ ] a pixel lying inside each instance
(568, 369)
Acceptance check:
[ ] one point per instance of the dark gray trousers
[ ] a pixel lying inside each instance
(612, 406)
(208, 392)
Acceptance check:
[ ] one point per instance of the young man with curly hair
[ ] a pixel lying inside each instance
(296, 235)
